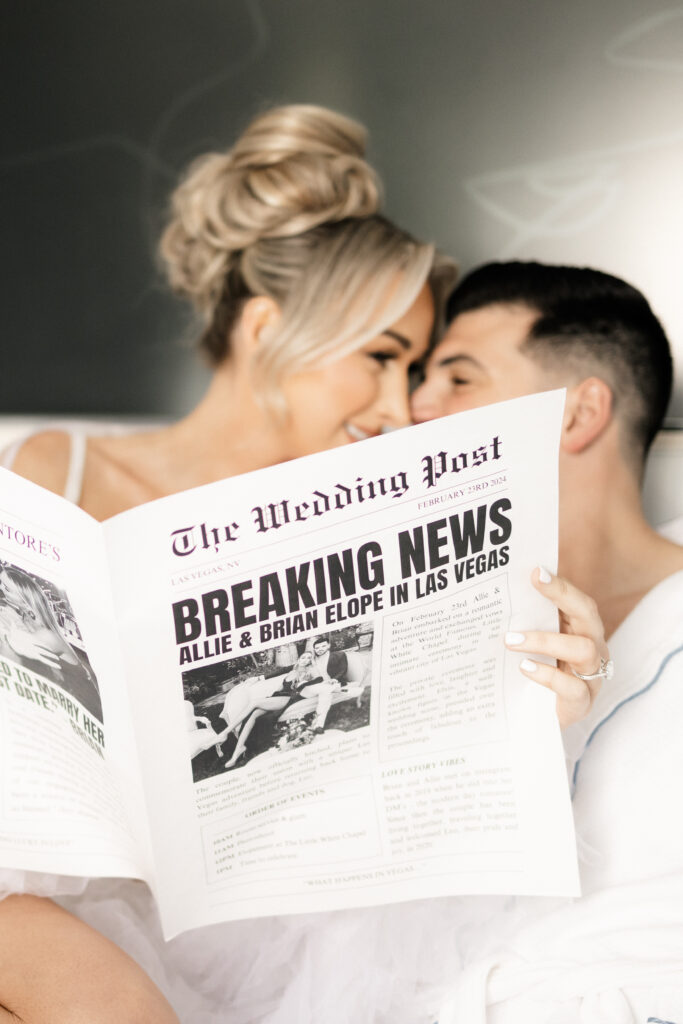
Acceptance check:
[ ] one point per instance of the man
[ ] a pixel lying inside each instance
(518, 328)
(330, 664)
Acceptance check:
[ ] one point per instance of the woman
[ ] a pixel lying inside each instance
(279, 247)
(30, 635)
(297, 684)
(258, 705)
(305, 681)
(314, 310)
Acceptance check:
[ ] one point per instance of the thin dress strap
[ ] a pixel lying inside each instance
(10, 453)
(74, 477)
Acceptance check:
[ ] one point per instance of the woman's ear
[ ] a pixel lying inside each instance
(587, 414)
(260, 316)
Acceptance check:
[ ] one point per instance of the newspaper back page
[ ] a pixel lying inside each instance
(70, 795)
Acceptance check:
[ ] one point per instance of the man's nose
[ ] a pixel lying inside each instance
(423, 404)
(394, 404)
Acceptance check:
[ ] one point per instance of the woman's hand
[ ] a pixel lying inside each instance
(578, 647)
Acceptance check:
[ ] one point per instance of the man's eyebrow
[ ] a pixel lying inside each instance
(400, 338)
(449, 360)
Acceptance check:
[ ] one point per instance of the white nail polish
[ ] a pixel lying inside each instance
(514, 639)
(528, 666)
(543, 575)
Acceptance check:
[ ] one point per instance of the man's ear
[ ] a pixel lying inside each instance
(259, 316)
(587, 414)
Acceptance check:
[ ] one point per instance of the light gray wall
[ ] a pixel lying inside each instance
(541, 130)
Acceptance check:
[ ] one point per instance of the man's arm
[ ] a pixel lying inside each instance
(337, 666)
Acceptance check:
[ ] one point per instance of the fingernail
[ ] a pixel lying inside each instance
(543, 575)
(528, 666)
(514, 639)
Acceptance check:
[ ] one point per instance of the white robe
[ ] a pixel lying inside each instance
(616, 954)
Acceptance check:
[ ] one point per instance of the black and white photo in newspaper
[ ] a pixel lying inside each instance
(69, 784)
(320, 645)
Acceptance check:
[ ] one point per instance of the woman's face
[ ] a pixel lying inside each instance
(362, 393)
(15, 598)
(305, 659)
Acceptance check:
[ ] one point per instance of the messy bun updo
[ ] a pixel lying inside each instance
(291, 212)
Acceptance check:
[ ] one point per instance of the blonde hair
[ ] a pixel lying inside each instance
(26, 597)
(291, 212)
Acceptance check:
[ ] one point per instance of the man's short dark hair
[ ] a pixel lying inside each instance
(590, 320)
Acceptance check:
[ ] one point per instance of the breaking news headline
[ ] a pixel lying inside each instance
(344, 585)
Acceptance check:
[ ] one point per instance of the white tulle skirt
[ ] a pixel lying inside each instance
(383, 965)
(613, 957)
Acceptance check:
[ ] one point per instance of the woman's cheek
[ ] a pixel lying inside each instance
(367, 390)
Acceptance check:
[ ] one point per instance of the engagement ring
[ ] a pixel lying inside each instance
(606, 671)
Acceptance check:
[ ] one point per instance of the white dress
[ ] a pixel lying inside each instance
(615, 956)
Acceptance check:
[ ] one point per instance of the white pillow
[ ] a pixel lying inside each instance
(673, 530)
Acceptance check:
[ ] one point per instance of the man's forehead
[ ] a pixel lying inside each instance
(499, 326)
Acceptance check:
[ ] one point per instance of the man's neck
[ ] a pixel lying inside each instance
(607, 548)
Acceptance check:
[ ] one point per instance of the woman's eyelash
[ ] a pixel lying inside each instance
(382, 357)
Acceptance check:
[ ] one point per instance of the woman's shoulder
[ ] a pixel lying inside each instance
(44, 458)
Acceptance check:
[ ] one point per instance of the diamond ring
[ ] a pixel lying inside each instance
(606, 671)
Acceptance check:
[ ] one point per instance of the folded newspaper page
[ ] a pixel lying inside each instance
(288, 691)
(70, 790)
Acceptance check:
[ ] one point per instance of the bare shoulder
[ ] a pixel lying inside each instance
(44, 459)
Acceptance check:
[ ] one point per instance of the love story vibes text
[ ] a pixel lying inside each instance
(344, 585)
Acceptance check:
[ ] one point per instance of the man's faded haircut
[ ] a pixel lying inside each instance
(591, 322)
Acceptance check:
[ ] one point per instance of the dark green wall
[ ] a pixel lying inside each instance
(546, 129)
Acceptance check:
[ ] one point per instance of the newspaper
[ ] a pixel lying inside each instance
(288, 691)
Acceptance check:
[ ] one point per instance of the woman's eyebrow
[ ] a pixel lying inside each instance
(400, 338)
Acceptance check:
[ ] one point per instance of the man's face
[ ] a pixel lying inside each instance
(322, 647)
(479, 362)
